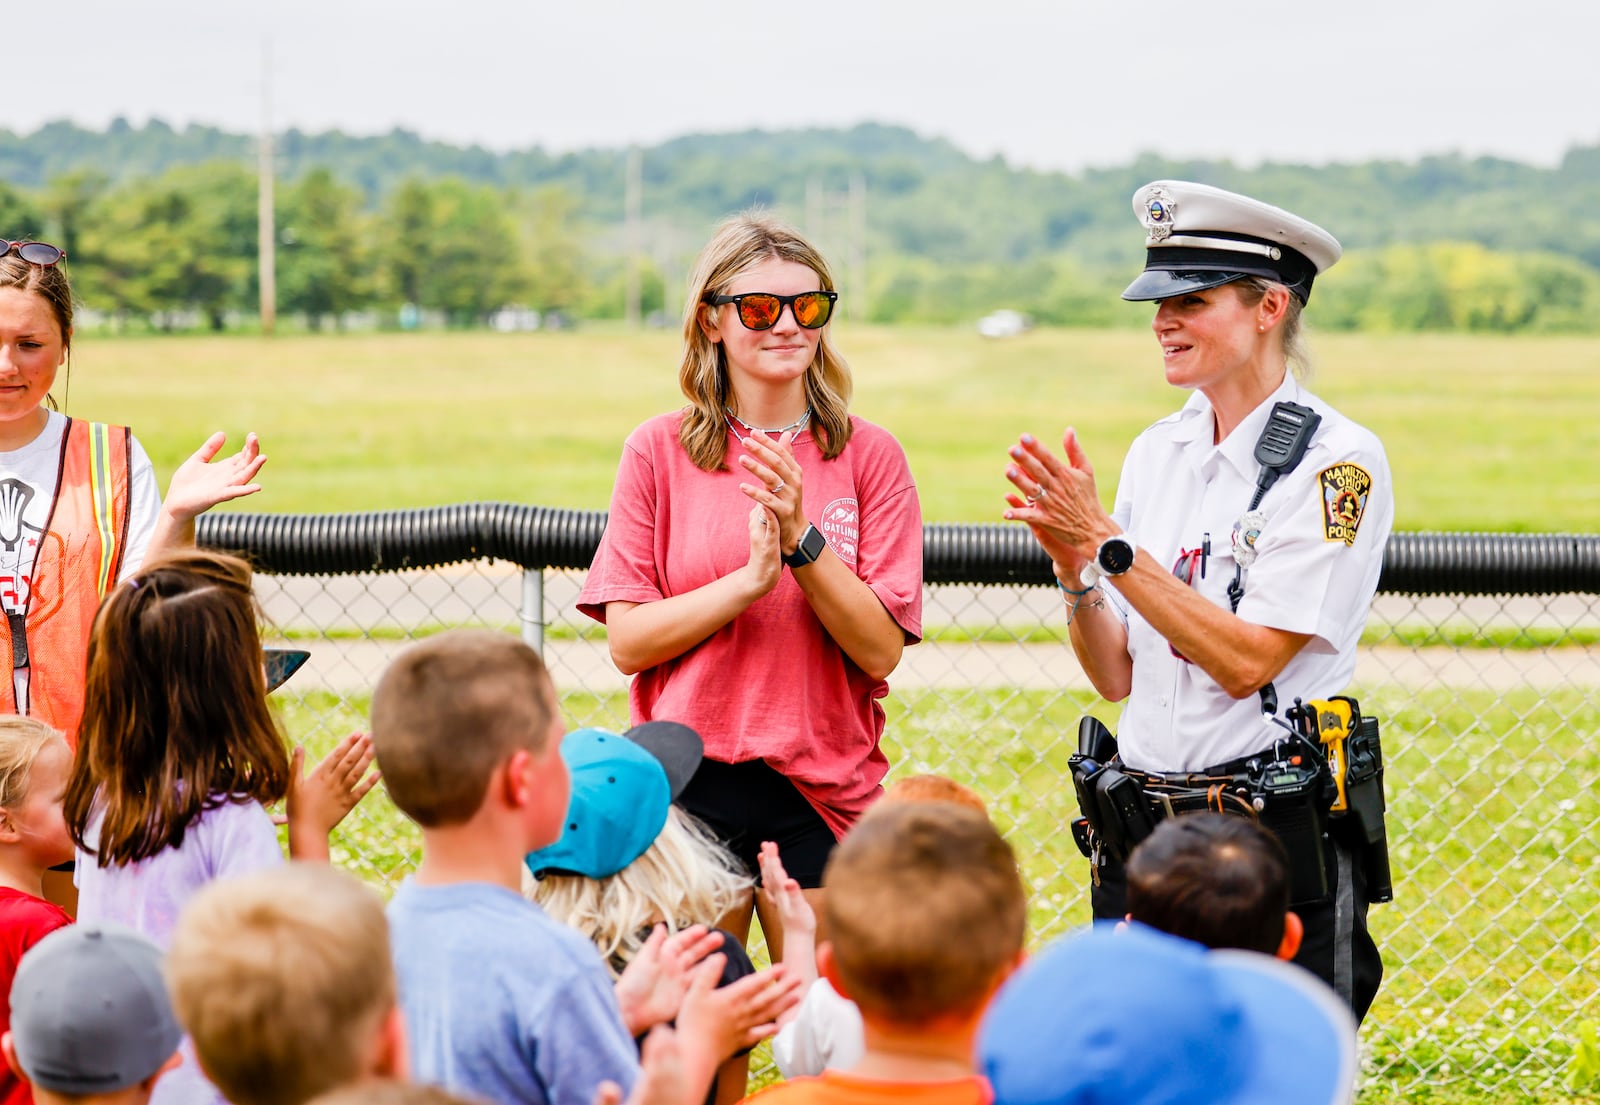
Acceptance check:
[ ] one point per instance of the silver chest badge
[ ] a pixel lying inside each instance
(1160, 210)
(1246, 532)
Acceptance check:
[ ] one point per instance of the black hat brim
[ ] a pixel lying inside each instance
(1163, 284)
(281, 663)
(678, 748)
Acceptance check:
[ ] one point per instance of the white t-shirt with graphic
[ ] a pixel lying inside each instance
(27, 488)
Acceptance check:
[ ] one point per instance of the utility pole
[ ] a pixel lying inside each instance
(836, 223)
(266, 232)
(632, 202)
(858, 247)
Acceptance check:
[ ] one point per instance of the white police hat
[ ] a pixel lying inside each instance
(1200, 237)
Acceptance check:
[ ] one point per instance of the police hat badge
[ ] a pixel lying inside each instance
(1160, 209)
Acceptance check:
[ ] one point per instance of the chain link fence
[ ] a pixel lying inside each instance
(1489, 704)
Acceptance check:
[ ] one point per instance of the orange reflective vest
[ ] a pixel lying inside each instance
(79, 559)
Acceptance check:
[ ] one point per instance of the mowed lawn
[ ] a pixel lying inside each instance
(1483, 433)
(1489, 940)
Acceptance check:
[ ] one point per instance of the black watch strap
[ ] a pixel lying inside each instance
(806, 552)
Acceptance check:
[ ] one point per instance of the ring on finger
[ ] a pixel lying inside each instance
(1036, 496)
(780, 487)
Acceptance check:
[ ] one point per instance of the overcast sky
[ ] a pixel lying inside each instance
(1060, 84)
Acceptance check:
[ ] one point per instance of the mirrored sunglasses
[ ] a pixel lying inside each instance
(761, 310)
(35, 253)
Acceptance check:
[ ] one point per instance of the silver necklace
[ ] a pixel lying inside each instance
(797, 424)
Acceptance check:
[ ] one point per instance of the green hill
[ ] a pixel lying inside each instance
(947, 235)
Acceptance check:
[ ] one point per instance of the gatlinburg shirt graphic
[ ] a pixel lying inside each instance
(841, 525)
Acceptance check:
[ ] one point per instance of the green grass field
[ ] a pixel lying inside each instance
(1483, 433)
(1491, 961)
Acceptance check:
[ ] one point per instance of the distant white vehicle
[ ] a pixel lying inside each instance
(509, 320)
(1004, 324)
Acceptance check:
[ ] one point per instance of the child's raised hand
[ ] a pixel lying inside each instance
(798, 919)
(715, 1022)
(786, 898)
(652, 985)
(663, 1078)
(319, 799)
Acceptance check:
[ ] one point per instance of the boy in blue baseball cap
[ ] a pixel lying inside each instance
(1135, 1016)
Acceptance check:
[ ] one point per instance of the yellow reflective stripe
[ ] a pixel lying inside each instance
(100, 496)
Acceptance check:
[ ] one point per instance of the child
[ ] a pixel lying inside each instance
(826, 1029)
(1216, 879)
(178, 755)
(34, 762)
(1128, 1014)
(630, 860)
(501, 1001)
(925, 916)
(90, 1020)
(284, 981)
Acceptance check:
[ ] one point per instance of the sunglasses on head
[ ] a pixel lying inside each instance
(35, 253)
(762, 310)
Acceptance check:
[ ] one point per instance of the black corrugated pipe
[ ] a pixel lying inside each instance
(544, 537)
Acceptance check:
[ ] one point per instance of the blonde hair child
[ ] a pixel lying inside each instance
(34, 764)
(630, 866)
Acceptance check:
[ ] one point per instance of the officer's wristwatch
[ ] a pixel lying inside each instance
(1113, 558)
(810, 547)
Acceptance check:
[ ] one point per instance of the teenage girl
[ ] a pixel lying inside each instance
(179, 756)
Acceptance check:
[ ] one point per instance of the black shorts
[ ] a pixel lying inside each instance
(747, 803)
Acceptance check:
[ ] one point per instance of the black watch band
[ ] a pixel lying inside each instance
(806, 552)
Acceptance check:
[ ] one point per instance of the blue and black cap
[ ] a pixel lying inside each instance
(1201, 237)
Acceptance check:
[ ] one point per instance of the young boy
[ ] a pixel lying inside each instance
(500, 1001)
(925, 915)
(90, 1020)
(1219, 880)
(284, 982)
(1128, 1014)
(826, 1030)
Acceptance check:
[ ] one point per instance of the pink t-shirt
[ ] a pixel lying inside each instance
(771, 684)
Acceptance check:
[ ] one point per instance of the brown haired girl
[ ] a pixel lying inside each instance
(179, 754)
(766, 469)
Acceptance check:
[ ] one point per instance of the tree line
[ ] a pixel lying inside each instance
(160, 227)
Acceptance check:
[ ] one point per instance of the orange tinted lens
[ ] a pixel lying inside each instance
(759, 312)
(812, 309)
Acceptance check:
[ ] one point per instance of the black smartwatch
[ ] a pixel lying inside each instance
(806, 552)
(1115, 556)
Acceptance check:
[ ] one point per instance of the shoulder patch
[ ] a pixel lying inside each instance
(1345, 488)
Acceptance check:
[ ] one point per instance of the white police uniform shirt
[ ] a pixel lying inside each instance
(1318, 556)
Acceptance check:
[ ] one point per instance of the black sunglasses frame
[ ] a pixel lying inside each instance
(22, 251)
(783, 301)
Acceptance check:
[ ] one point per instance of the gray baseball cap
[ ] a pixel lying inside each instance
(90, 1012)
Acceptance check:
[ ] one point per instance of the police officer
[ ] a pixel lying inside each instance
(1196, 593)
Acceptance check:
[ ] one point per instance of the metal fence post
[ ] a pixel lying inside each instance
(532, 612)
